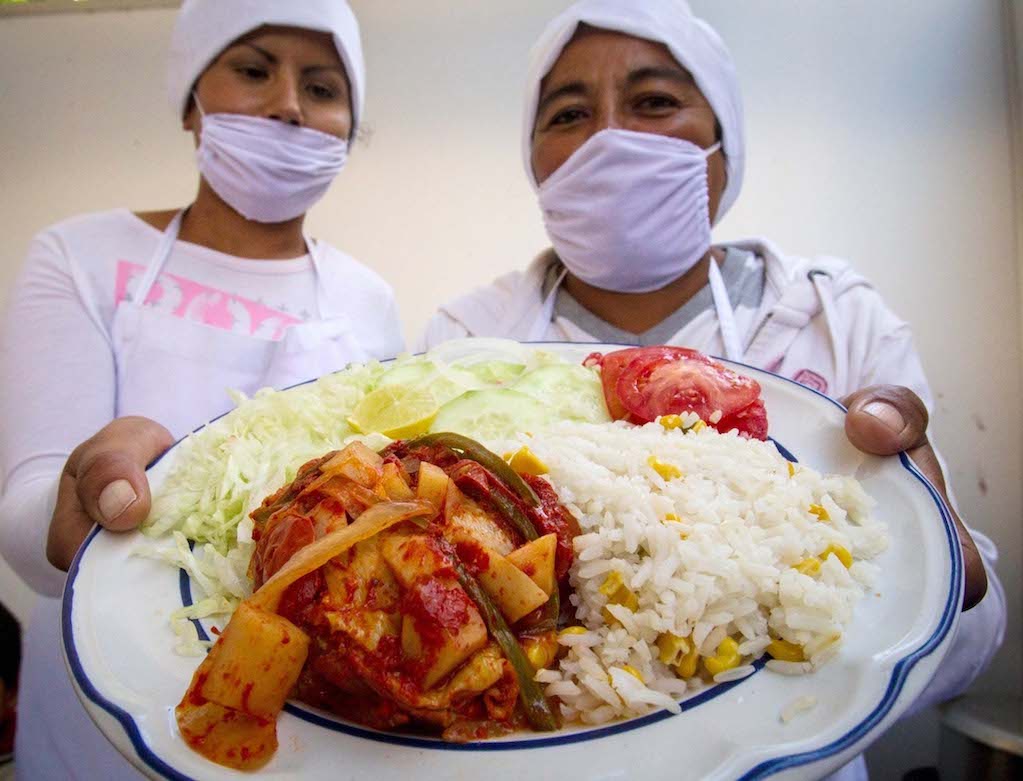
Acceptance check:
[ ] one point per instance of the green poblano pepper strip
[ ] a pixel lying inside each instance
(514, 515)
(534, 703)
(520, 521)
(474, 451)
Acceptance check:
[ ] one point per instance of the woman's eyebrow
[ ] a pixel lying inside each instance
(573, 89)
(272, 59)
(324, 68)
(678, 75)
(260, 50)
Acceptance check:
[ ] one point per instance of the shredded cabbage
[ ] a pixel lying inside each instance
(223, 472)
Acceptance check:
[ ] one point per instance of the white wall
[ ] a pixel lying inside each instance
(1013, 16)
(879, 131)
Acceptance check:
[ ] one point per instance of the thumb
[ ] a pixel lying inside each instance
(110, 471)
(886, 419)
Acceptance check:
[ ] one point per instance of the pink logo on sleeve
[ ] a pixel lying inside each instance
(812, 380)
(191, 300)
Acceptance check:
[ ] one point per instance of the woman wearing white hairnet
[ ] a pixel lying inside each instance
(134, 325)
(633, 139)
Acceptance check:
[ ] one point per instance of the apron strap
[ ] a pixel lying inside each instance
(725, 313)
(159, 258)
(538, 330)
(324, 303)
(822, 284)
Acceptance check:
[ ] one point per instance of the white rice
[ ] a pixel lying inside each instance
(724, 569)
(735, 674)
(796, 707)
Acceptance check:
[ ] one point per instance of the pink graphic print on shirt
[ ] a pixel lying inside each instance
(195, 301)
(811, 379)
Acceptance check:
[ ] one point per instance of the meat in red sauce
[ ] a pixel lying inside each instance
(359, 664)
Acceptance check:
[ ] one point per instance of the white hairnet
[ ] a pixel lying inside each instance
(692, 42)
(205, 28)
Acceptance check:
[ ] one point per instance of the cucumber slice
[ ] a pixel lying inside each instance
(470, 351)
(443, 382)
(407, 373)
(493, 414)
(496, 372)
(571, 392)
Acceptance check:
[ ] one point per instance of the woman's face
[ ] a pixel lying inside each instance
(284, 73)
(606, 80)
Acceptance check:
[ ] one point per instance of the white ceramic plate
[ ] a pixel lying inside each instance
(118, 647)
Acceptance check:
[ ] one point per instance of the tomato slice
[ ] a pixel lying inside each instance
(613, 364)
(750, 421)
(641, 383)
(677, 384)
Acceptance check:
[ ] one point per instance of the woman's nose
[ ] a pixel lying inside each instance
(284, 104)
(608, 118)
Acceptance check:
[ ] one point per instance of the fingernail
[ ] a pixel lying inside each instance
(115, 499)
(887, 414)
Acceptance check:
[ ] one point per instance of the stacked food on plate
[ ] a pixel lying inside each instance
(493, 538)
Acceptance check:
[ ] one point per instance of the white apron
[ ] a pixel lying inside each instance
(178, 371)
(174, 371)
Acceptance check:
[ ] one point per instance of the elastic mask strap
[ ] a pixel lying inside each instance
(726, 315)
(711, 149)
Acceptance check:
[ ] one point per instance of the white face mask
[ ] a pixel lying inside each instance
(628, 211)
(265, 169)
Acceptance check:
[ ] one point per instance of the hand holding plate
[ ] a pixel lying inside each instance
(104, 481)
(888, 419)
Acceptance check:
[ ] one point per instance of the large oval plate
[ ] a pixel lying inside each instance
(118, 647)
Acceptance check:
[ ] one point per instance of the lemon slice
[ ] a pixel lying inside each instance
(396, 411)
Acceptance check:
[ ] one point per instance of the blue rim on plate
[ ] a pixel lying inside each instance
(896, 682)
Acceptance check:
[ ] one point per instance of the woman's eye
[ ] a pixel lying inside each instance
(566, 117)
(657, 103)
(322, 91)
(253, 72)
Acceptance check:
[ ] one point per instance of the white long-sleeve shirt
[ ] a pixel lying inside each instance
(58, 382)
(58, 387)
